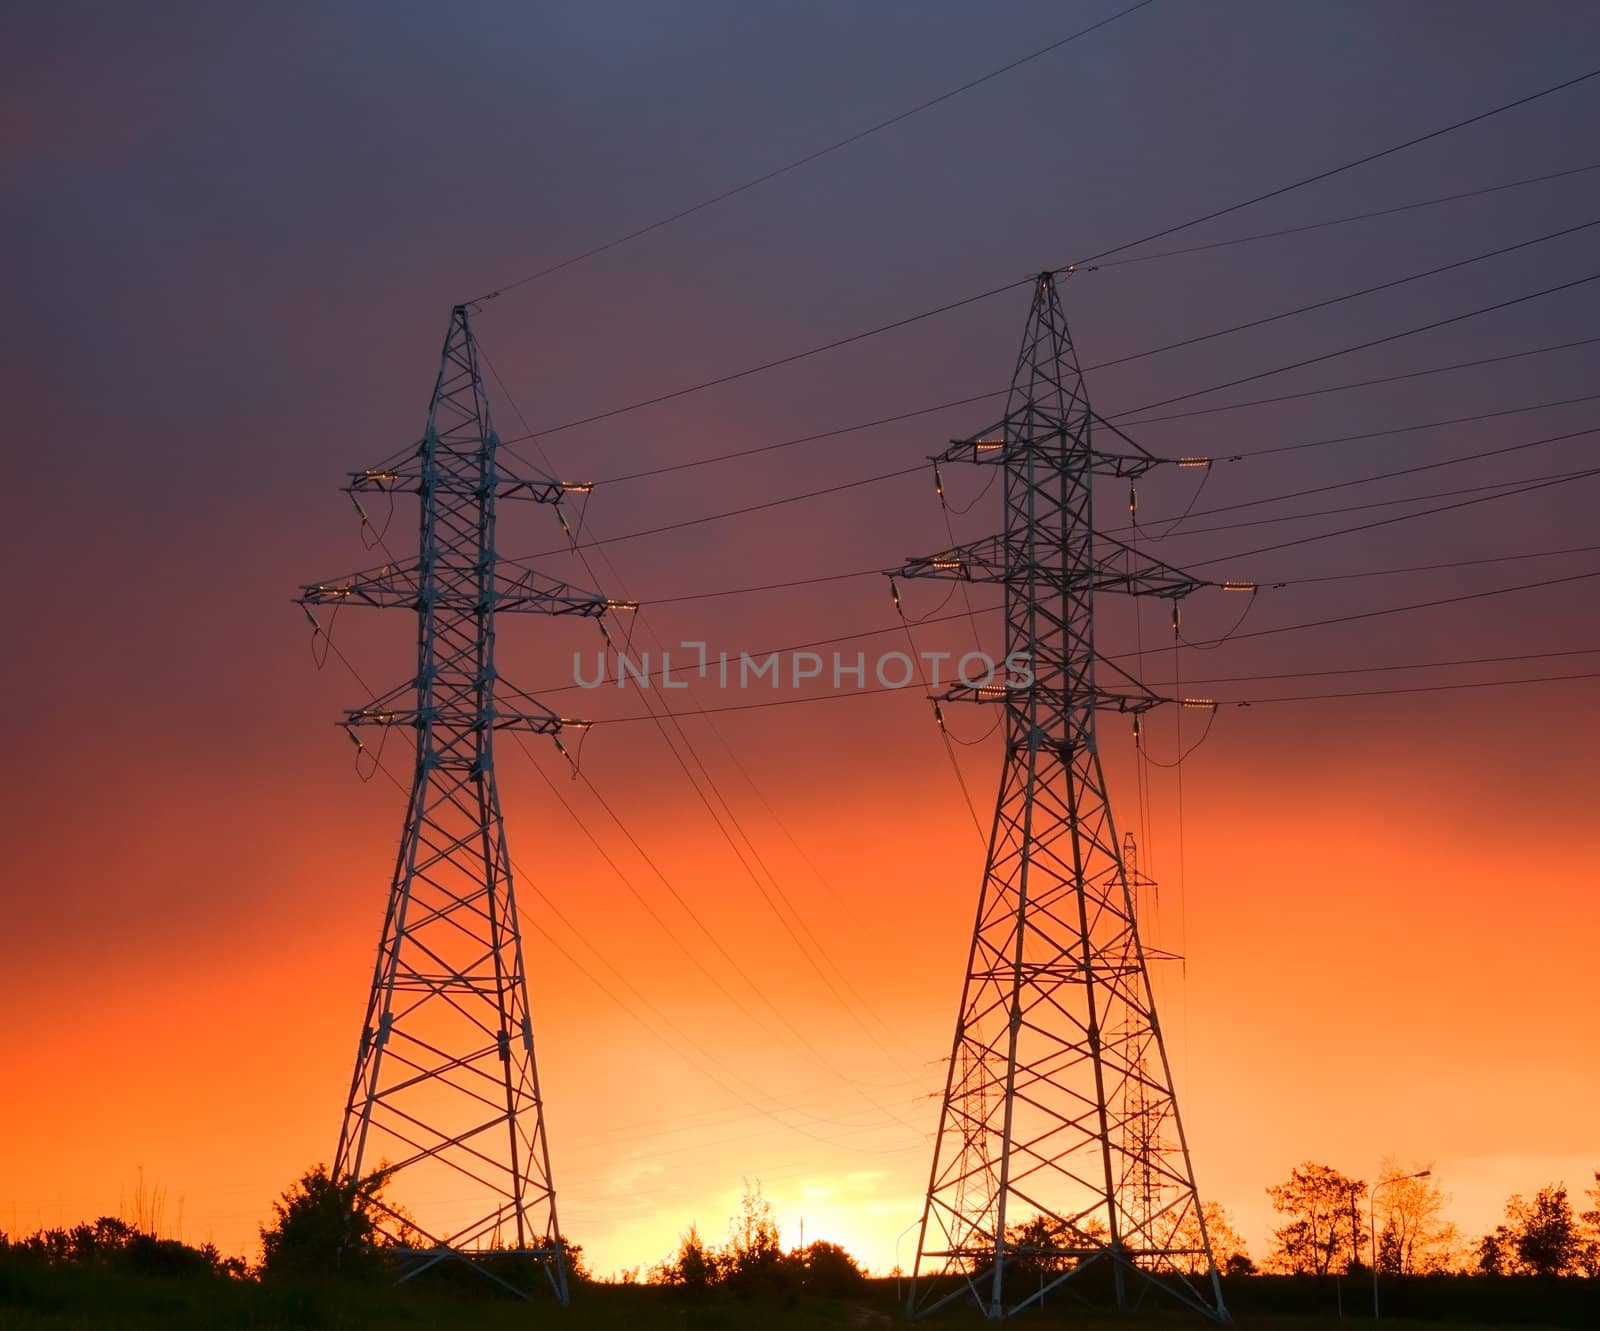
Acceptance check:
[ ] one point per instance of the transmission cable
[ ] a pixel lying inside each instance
(1473, 418)
(527, 880)
(1413, 470)
(1352, 217)
(1347, 166)
(965, 301)
(1388, 667)
(808, 158)
(1340, 299)
(727, 810)
(1363, 346)
(1502, 492)
(839, 487)
(1539, 584)
(838, 431)
(1352, 384)
(1419, 688)
(1521, 488)
(1270, 582)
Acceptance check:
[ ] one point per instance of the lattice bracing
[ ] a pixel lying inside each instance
(1059, 1090)
(445, 1094)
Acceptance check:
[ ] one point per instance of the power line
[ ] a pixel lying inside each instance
(849, 340)
(879, 571)
(1388, 668)
(660, 1125)
(1347, 166)
(744, 862)
(838, 431)
(528, 881)
(717, 819)
(1409, 607)
(1353, 384)
(722, 951)
(1340, 299)
(708, 712)
(764, 505)
(895, 629)
(1364, 346)
(1473, 418)
(804, 439)
(838, 487)
(1530, 487)
(650, 910)
(1267, 582)
(766, 587)
(970, 399)
(1352, 217)
(1218, 702)
(1378, 476)
(1196, 392)
(810, 157)
(965, 301)
(1328, 621)
(1420, 688)
(1451, 564)
(1489, 490)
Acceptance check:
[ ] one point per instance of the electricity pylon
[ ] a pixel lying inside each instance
(445, 1095)
(1056, 1041)
(1144, 1185)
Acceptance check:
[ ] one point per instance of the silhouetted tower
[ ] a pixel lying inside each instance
(977, 1182)
(1056, 1009)
(445, 1094)
(1141, 1112)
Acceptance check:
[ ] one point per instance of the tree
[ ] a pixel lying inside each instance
(1545, 1234)
(755, 1252)
(1589, 1252)
(1325, 1220)
(572, 1258)
(828, 1270)
(112, 1241)
(1493, 1254)
(1039, 1239)
(1413, 1236)
(1537, 1238)
(324, 1224)
(694, 1268)
(1227, 1248)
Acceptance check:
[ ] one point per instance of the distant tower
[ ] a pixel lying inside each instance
(1143, 1182)
(1057, 1026)
(445, 1093)
(977, 1185)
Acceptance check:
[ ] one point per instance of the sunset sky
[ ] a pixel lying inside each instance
(233, 240)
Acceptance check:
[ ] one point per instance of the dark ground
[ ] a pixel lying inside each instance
(40, 1297)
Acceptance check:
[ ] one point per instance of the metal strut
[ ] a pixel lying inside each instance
(1059, 1150)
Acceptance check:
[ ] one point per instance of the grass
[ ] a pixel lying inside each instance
(36, 1297)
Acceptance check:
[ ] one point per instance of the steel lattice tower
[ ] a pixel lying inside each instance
(1065, 1095)
(445, 1094)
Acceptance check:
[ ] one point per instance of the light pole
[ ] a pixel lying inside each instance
(897, 1238)
(1372, 1225)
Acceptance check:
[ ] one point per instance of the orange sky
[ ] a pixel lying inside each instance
(1388, 906)
(1397, 990)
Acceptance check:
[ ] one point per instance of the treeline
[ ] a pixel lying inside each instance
(113, 1242)
(1334, 1223)
(753, 1259)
